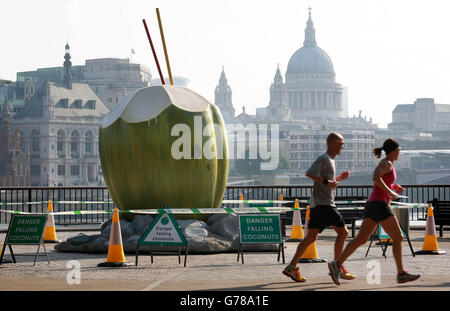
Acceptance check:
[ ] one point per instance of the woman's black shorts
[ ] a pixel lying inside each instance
(377, 210)
(323, 216)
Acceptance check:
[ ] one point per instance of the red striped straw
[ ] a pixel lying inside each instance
(154, 53)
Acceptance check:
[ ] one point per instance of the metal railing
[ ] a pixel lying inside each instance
(415, 193)
(42, 194)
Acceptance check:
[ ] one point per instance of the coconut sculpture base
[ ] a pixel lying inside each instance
(220, 234)
(164, 147)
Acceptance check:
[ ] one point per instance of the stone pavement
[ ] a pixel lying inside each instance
(222, 272)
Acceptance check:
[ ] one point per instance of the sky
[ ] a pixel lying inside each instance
(386, 52)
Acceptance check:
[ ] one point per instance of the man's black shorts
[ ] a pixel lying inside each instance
(323, 216)
(377, 210)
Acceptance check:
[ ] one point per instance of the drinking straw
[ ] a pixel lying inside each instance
(154, 53)
(164, 45)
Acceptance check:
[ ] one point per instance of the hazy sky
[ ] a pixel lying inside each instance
(385, 52)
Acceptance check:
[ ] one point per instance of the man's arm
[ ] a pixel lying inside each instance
(321, 180)
(314, 173)
(343, 176)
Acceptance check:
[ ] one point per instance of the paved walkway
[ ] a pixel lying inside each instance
(260, 272)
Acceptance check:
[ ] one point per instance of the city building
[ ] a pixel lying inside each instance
(14, 163)
(307, 105)
(308, 143)
(422, 116)
(223, 99)
(310, 90)
(59, 131)
(112, 79)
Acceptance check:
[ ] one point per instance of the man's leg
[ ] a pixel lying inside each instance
(292, 270)
(336, 267)
(311, 237)
(365, 231)
(342, 233)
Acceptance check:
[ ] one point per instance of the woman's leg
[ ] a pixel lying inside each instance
(391, 226)
(365, 231)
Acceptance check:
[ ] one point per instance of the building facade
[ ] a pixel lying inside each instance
(309, 90)
(423, 115)
(223, 99)
(306, 105)
(14, 163)
(306, 145)
(59, 129)
(112, 79)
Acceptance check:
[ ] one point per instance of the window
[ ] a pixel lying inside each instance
(75, 170)
(77, 104)
(60, 141)
(62, 103)
(89, 142)
(74, 142)
(90, 104)
(35, 170)
(61, 170)
(35, 145)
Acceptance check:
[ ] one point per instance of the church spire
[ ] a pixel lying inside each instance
(223, 99)
(223, 83)
(68, 68)
(310, 32)
(278, 79)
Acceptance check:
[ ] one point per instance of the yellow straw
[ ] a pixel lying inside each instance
(164, 46)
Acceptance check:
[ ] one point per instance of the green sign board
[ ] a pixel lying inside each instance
(26, 229)
(164, 230)
(260, 229)
(383, 234)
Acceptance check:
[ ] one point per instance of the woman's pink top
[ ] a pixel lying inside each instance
(379, 194)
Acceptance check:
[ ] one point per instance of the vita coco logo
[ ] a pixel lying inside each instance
(243, 140)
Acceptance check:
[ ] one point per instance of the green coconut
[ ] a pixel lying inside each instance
(164, 146)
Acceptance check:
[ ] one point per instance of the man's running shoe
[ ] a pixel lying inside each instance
(407, 277)
(344, 274)
(294, 273)
(334, 272)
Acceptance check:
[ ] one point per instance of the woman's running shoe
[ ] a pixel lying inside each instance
(407, 277)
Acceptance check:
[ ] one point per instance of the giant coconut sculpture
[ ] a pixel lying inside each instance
(164, 146)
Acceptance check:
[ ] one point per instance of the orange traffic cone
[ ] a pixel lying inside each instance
(280, 198)
(430, 244)
(241, 198)
(116, 256)
(296, 228)
(310, 255)
(49, 230)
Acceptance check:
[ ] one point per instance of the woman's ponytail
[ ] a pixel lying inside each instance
(377, 151)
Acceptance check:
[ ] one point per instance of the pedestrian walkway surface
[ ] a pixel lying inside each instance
(222, 272)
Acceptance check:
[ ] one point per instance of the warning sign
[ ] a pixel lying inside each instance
(164, 230)
(383, 235)
(260, 228)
